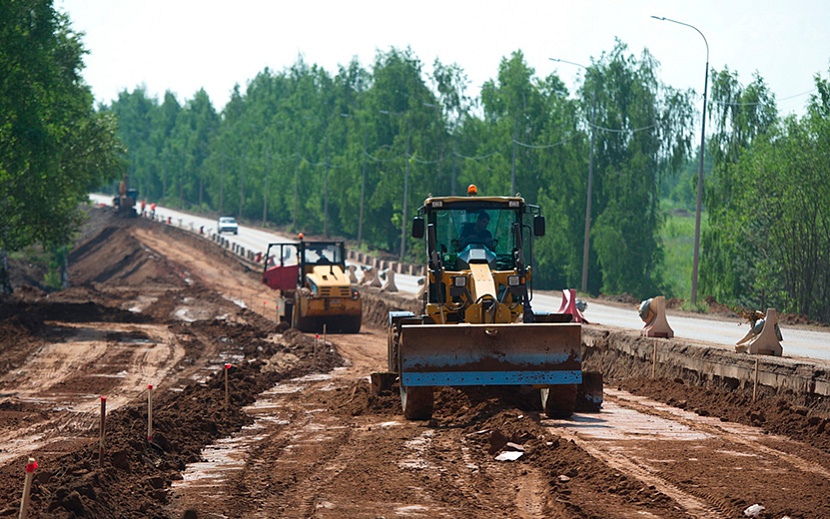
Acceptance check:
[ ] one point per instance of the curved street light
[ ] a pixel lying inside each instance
(587, 240)
(700, 165)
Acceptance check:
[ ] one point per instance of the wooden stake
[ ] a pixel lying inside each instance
(755, 384)
(227, 390)
(150, 412)
(324, 335)
(102, 430)
(27, 488)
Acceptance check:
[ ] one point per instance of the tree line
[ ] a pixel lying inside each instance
(354, 153)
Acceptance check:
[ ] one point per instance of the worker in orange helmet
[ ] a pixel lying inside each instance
(472, 190)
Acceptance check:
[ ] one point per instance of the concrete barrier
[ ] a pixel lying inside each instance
(568, 306)
(653, 313)
(765, 342)
(622, 354)
(370, 277)
(388, 284)
(351, 273)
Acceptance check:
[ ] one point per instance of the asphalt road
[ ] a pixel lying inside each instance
(798, 341)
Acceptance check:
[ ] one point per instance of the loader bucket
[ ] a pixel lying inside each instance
(490, 354)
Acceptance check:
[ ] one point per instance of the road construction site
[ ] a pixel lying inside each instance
(251, 419)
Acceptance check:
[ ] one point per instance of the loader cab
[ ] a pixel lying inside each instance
(491, 229)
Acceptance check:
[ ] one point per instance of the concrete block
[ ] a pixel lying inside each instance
(653, 313)
(388, 284)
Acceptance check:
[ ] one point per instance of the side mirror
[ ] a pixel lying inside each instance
(538, 225)
(418, 227)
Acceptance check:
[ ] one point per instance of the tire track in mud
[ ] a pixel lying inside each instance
(696, 460)
(751, 438)
(301, 459)
(61, 378)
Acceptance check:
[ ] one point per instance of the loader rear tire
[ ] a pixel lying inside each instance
(416, 402)
(559, 401)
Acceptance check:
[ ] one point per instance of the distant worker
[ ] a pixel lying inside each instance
(478, 232)
(143, 207)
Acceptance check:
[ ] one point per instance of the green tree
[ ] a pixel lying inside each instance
(742, 116)
(644, 132)
(769, 238)
(54, 148)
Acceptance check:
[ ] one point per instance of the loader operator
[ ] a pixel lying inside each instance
(477, 233)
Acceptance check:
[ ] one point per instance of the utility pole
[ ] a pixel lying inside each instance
(181, 180)
(241, 183)
(164, 177)
(326, 194)
(454, 159)
(586, 242)
(362, 188)
(515, 141)
(265, 190)
(296, 185)
(405, 197)
(221, 182)
(201, 183)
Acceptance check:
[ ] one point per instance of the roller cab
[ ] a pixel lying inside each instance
(314, 289)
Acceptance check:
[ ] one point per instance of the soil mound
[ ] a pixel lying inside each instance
(115, 256)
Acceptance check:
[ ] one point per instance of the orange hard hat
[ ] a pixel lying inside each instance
(472, 189)
(300, 236)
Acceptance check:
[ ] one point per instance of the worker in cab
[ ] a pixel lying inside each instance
(477, 233)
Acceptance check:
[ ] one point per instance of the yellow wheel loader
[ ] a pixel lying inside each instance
(314, 288)
(477, 326)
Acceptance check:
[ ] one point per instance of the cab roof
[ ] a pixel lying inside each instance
(489, 200)
(473, 202)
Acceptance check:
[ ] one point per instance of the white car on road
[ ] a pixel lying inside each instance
(227, 224)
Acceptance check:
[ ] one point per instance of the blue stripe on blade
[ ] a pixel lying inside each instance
(490, 378)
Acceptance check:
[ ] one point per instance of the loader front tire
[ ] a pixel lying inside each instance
(416, 402)
(559, 401)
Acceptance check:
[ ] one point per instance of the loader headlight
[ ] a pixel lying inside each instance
(459, 281)
(513, 281)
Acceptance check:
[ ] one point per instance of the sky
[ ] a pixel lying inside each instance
(185, 45)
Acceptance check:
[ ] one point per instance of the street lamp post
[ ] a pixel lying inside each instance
(586, 242)
(696, 260)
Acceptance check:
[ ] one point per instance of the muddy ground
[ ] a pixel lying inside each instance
(302, 436)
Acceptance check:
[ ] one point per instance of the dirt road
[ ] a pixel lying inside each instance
(302, 436)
